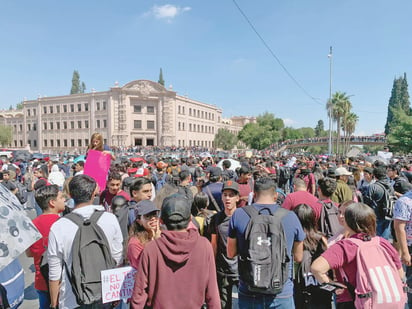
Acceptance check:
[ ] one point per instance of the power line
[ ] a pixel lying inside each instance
(276, 58)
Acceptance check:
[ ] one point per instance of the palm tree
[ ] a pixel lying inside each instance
(341, 107)
(348, 126)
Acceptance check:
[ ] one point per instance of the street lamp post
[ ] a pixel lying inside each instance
(330, 102)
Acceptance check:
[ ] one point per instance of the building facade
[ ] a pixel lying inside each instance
(141, 113)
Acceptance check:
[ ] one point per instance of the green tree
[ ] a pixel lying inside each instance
(225, 139)
(349, 125)
(291, 133)
(83, 88)
(19, 105)
(161, 80)
(75, 83)
(400, 136)
(6, 135)
(319, 129)
(399, 99)
(266, 131)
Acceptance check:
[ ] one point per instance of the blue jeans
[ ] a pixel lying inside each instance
(265, 302)
(44, 299)
(383, 228)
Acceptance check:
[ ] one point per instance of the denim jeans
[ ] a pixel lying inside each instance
(44, 299)
(265, 302)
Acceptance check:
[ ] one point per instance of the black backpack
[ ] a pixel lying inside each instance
(265, 267)
(22, 193)
(329, 220)
(284, 174)
(91, 254)
(387, 202)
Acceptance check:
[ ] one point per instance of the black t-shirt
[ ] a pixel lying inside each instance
(219, 225)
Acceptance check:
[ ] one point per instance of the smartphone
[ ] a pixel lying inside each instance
(332, 286)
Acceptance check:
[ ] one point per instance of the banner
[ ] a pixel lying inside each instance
(117, 284)
(97, 166)
(17, 232)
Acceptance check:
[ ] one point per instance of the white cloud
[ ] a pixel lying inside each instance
(289, 122)
(167, 11)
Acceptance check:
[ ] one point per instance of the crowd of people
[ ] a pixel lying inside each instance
(283, 232)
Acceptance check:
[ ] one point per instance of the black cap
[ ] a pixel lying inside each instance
(175, 209)
(230, 185)
(215, 172)
(145, 207)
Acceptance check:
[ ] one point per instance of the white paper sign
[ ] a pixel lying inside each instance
(117, 283)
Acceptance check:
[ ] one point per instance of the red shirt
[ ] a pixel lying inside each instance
(43, 224)
(303, 197)
(106, 197)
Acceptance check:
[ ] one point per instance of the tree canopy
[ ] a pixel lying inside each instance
(400, 136)
(399, 99)
(6, 135)
(225, 139)
(77, 86)
(161, 80)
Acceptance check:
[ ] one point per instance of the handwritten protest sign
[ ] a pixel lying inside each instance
(97, 166)
(117, 284)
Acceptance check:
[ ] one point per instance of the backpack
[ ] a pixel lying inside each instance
(284, 174)
(91, 254)
(22, 193)
(329, 220)
(203, 219)
(265, 267)
(377, 280)
(307, 288)
(387, 202)
(175, 170)
(159, 183)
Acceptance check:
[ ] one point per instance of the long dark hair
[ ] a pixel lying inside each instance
(307, 218)
(361, 219)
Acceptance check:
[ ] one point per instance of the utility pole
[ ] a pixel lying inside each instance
(330, 150)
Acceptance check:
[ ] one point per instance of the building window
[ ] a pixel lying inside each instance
(86, 107)
(151, 124)
(15, 128)
(190, 112)
(28, 112)
(21, 127)
(79, 142)
(51, 125)
(64, 124)
(98, 123)
(79, 124)
(202, 114)
(104, 123)
(190, 127)
(183, 112)
(72, 108)
(137, 108)
(72, 142)
(86, 124)
(150, 109)
(86, 141)
(183, 127)
(178, 127)
(21, 143)
(58, 109)
(35, 143)
(65, 108)
(137, 124)
(138, 142)
(44, 110)
(150, 142)
(104, 105)
(45, 143)
(51, 109)
(98, 106)
(45, 125)
(71, 124)
(178, 111)
(51, 143)
(65, 143)
(29, 127)
(58, 143)
(58, 125)
(79, 107)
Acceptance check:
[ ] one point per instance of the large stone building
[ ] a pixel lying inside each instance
(141, 112)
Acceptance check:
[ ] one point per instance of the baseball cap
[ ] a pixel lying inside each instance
(230, 185)
(341, 171)
(161, 165)
(141, 172)
(215, 172)
(175, 209)
(145, 207)
(368, 170)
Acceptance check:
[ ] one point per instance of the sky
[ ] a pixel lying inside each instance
(277, 62)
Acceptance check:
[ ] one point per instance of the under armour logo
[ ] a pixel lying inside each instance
(261, 241)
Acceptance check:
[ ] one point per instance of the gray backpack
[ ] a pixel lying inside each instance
(265, 267)
(91, 254)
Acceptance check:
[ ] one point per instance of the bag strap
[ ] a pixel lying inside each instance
(213, 199)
